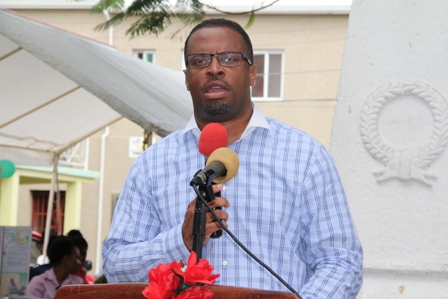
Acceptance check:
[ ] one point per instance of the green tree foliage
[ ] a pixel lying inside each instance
(154, 16)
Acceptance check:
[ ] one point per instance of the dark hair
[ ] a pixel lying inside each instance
(74, 232)
(212, 23)
(60, 247)
(79, 241)
(53, 234)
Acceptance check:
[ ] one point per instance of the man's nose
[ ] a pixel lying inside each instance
(215, 68)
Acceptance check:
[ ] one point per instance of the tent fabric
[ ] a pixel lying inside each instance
(57, 88)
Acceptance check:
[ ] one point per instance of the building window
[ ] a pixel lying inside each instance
(39, 211)
(146, 55)
(269, 83)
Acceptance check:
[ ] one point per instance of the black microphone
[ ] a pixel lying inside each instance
(209, 173)
(221, 167)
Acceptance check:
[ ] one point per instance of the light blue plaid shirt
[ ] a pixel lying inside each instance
(287, 206)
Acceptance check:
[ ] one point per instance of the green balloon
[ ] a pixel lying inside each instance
(7, 169)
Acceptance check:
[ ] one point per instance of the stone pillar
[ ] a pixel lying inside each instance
(389, 141)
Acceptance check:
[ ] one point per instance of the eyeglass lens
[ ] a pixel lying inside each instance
(227, 59)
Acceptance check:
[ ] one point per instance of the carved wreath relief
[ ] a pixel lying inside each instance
(409, 163)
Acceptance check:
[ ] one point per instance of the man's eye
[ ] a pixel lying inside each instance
(230, 59)
(199, 61)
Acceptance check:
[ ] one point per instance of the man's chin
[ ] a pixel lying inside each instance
(217, 109)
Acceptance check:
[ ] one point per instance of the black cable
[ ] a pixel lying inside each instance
(241, 244)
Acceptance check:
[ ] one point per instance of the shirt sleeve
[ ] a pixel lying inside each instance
(35, 288)
(334, 252)
(137, 239)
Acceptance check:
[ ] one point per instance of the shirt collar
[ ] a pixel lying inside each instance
(256, 120)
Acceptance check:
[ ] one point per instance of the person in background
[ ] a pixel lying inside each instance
(82, 245)
(41, 268)
(286, 203)
(65, 260)
(43, 259)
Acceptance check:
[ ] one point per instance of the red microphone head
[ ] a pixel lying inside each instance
(213, 136)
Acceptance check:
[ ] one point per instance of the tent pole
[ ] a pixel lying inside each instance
(50, 204)
(58, 206)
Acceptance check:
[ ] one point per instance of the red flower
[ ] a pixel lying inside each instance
(197, 273)
(162, 282)
(171, 281)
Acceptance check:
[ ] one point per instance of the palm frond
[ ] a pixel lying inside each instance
(154, 16)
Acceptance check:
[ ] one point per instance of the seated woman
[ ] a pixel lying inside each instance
(65, 260)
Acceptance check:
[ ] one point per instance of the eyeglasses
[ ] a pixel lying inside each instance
(226, 59)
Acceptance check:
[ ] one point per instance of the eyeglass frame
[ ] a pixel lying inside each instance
(243, 56)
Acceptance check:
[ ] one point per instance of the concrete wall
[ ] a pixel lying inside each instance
(389, 139)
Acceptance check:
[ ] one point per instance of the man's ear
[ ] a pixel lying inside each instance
(186, 83)
(252, 74)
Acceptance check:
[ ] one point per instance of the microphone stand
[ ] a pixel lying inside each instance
(206, 191)
(209, 197)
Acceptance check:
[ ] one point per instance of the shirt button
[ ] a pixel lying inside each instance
(224, 263)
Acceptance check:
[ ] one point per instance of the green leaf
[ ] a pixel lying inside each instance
(109, 5)
(251, 20)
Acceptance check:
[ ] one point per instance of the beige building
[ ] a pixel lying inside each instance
(300, 49)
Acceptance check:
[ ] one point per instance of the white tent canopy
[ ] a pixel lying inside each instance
(57, 88)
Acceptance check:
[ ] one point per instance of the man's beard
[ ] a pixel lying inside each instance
(217, 109)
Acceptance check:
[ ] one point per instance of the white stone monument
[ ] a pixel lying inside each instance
(389, 141)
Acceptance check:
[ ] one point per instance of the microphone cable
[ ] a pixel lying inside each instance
(241, 245)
